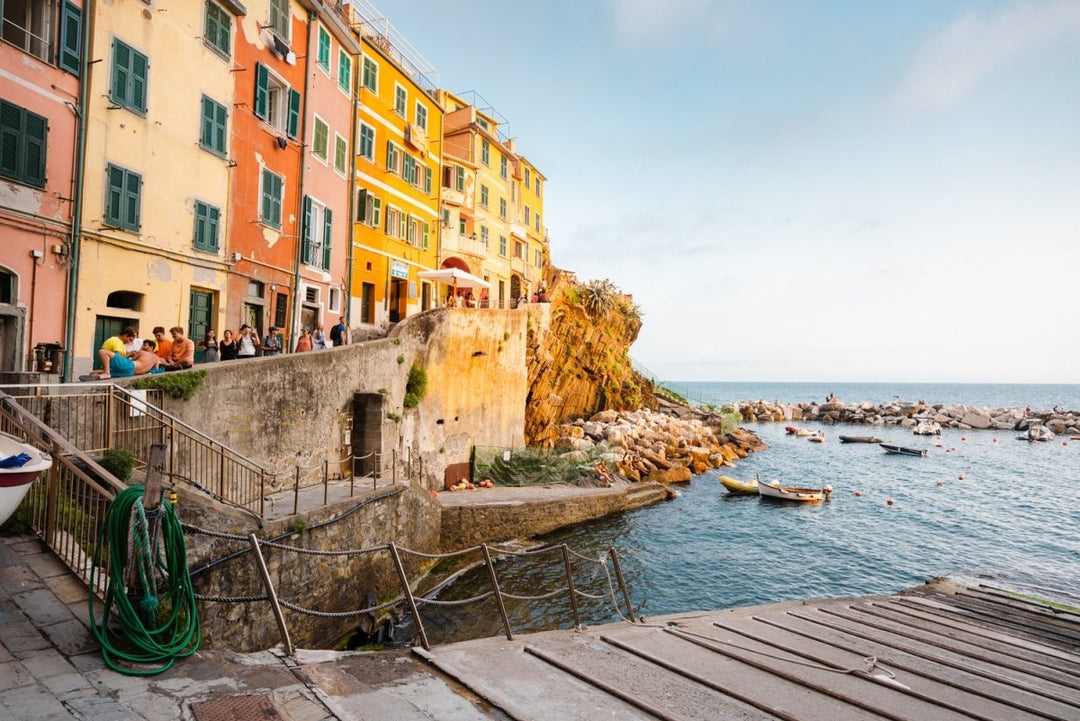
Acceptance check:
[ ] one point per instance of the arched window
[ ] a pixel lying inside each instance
(126, 299)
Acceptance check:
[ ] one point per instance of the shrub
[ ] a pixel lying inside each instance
(598, 297)
(395, 417)
(177, 385)
(415, 387)
(119, 462)
(400, 359)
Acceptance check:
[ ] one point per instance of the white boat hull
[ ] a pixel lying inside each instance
(15, 482)
(790, 493)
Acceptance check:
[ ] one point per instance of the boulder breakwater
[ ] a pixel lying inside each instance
(647, 445)
(908, 414)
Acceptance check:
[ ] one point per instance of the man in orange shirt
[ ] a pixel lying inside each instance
(164, 346)
(181, 351)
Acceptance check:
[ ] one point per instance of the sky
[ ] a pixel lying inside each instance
(798, 190)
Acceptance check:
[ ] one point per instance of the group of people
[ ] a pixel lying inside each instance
(124, 354)
(466, 299)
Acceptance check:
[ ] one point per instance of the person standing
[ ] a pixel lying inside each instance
(210, 347)
(272, 342)
(247, 345)
(227, 347)
(303, 343)
(339, 333)
(318, 338)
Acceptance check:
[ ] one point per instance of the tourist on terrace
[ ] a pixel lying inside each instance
(181, 351)
(163, 345)
(146, 359)
(113, 356)
(304, 343)
(272, 342)
(227, 347)
(247, 345)
(318, 338)
(210, 346)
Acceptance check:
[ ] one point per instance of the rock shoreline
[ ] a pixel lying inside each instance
(656, 446)
(961, 417)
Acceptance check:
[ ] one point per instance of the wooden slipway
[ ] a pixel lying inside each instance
(935, 653)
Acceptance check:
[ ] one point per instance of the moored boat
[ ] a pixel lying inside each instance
(15, 479)
(1037, 433)
(777, 491)
(818, 437)
(803, 432)
(891, 448)
(927, 427)
(860, 439)
(734, 485)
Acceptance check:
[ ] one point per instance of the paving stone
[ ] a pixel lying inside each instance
(5, 655)
(8, 557)
(88, 663)
(46, 663)
(71, 637)
(101, 707)
(34, 703)
(13, 675)
(19, 579)
(47, 565)
(28, 547)
(81, 611)
(299, 707)
(42, 607)
(68, 588)
(18, 633)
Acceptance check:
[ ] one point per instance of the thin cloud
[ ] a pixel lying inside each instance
(637, 20)
(954, 62)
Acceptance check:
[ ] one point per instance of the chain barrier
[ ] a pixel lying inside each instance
(459, 602)
(231, 599)
(451, 554)
(552, 594)
(341, 614)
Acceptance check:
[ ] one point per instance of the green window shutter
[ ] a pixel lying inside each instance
(424, 238)
(460, 178)
(391, 155)
(328, 225)
(70, 39)
(427, 180)
(213, 219)
(262, 92)
(11, 121)
(341, 154)
(198, 238)
(218, 27)
(139, 68)
(36, 130)
(345, 72)
(132, 199)
(114, 198)
(221, 124)
(321, 139)
(305, 246)
(324, 49)
(206, 136)
(376, 211)
(121, 75)
(294, 114)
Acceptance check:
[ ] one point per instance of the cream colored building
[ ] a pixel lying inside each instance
(155, 213)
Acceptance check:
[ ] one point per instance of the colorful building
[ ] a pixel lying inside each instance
(536, 256)
(41, 61)
(159, 169)
(398, 152)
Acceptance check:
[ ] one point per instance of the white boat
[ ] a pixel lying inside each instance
(773, 489)
(1038, 433)
(15, 481)
(927, 427)
(818, 437)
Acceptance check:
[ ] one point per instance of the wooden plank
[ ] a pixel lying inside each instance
(1047, 629)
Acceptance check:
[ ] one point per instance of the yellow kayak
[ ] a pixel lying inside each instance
(736, 486)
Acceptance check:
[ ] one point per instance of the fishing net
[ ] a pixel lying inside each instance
(534, 466)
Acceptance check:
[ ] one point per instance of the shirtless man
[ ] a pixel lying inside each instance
(146, 359)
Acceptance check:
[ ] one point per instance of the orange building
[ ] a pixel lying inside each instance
(42, 60)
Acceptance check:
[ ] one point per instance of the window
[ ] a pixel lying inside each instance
(371, 75)
(129, 77)
(485, 151)
(320, 139)
(276, 102)
(399, 100)
(538, 258)
(393, 157)
(408, 168)
(367, 141)
(527, 178)
(318, 230)
(446, 217)
(537, 219)
(425, 231)
(393, 222)
(484, 235)
(344, 72)
(502, 165)
(421, 116)
(278, 20)
(23, 137)
(30, 25)
(538, 187)
(123, 198)
(483, 196)
(520, 251)
(218, 29)
(341, 154)
(368, 208)
(412, 231)
(460, 180)
(502, 245)
(462, 225)
(323, 56)
(207, 218)
(502, 208)
(270, 207)
(334, 302)
(528, 216)
(213, 126)
(427, 180)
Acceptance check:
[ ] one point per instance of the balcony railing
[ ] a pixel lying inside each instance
(455, 242)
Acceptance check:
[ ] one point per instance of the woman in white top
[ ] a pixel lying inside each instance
(248, 342)
(319, 337)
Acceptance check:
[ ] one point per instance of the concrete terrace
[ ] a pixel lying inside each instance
(940, 652)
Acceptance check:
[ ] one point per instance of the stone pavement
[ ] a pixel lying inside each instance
(51, 668)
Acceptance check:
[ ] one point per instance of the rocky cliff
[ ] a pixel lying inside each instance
(577, 355)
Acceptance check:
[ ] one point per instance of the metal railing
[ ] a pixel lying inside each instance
(67, 503)
(97, 417)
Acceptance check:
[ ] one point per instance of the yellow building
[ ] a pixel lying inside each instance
(485, 203)
(156, 189)
(398, 150)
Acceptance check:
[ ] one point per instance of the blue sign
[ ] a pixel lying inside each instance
(399, 270)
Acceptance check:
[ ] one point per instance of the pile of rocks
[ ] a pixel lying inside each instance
(904, 414)
(646, 445)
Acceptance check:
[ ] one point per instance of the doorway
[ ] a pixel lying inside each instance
(309, 317)
(398, 292)
(367, 303)
(200, 315)
(366, 436)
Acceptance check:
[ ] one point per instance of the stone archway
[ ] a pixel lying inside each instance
(515, 289)
(455, 262)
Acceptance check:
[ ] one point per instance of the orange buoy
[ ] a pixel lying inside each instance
(961, 476)
(963, 438)
(858, 494)
(995, 440)
(941, 483)
(890, 501)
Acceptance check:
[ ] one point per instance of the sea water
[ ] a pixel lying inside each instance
(981, 505)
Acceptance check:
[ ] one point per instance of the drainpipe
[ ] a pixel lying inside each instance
(80, 179)
(351, 200)
(294, 323)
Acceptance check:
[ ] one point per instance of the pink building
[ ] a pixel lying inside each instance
(40, 65)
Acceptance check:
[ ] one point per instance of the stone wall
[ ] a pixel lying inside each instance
(296, 409)
(406, 515)
(537, 513)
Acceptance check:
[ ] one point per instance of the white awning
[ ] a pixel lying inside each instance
(455, 277)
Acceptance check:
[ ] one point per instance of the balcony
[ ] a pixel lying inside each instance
(518, 231)
(520, 265)
(455, 242)
(416, 138)
(453, 197)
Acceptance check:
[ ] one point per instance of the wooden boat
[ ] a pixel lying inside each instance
(860, 439)
(776, 491)
(890, 448)
(734, 485)
(15, 481)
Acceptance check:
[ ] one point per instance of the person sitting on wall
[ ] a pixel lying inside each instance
(163, 344)
(181, 351)
(146, 360)
(113, 356)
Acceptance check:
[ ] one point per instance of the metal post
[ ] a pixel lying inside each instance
(262, 493)
(221, 490)
(394, 458)
(325, 480)
(498, 593)
(408, 595)
(622, 583)
(296, 492)
(570, 583)
(269, 586)
(352, 475)
(420, 463)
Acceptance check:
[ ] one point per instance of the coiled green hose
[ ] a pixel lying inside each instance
(156, 626)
